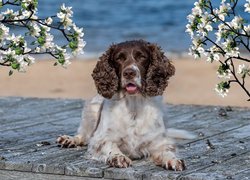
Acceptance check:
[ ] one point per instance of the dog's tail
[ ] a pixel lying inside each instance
(180, 134)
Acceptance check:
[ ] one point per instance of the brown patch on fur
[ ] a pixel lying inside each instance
(157, 160)
(104, 75)
(119, 161)
(176, 165)
(100, 147)
(160, 70)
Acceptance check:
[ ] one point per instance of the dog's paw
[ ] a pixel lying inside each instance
(175, 164)
(119, 161)
(67, 141)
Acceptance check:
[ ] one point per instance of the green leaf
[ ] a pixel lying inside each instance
(18, 51)
(223, 67)
(15, 65)
(61, 60)
(41, 40)
(1, 32)
(73, 45)
(225, 84)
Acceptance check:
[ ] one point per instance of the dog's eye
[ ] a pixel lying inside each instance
(140, 56)
(120, 57)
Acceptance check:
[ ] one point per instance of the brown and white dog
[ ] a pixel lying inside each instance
(125, 121)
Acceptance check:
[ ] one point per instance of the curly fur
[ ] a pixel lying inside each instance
(107, 80)
(104, 75)
(159, 71)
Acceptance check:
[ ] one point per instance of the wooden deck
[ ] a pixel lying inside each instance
(29, 127)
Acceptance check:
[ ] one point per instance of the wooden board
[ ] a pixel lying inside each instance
(25, 123)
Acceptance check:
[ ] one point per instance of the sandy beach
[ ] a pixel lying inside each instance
(193, 83)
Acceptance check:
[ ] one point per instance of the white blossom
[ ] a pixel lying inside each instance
(58, 48)
(65, 16)
(48, 20)
(79, 31)
(66, 62)
(221, 91)
(80, 46)
(31, 60)
(247, 6)
(46, 28)
(194, 52)
(196, 11)
(237, 22)
(22, 64)
(15, 39)
(9, 52)
(48, 41)
(26, 14)
(190, 18)
(222, 11)
(222, 28)
(34, 30)
(225, 75)
(213, 54)
(15, 48)
(8, 12)
(37, 49)
(230, 48)
(26, 48)
(4, 31)
(189, 30)
(213, 57)
(243, 69)
(197, 41)
(246, 30)
(67, 10)
(61, 16)
(230, 32)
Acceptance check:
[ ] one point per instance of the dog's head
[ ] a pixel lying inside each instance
(132, 67)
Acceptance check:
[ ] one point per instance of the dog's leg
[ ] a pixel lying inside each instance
(90, 120)
(163, 153)
(110, 153)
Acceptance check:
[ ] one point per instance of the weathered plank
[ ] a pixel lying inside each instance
(27, 123)
(9, 175)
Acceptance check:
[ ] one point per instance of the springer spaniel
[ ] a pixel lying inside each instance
(126, 121)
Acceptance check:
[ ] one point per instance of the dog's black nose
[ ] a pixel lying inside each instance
(129, 73)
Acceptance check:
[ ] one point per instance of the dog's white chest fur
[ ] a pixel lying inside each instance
(130, 122)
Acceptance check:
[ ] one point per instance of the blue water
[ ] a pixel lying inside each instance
(113, 21)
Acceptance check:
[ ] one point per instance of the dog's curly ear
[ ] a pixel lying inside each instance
(159, 71)
(104, 75)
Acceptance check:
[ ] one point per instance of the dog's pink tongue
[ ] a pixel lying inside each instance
(131, 88)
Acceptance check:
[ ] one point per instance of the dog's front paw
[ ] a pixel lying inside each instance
(119, 161)
(175, 164)
(68, 141)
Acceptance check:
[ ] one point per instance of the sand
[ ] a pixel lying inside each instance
(193, 83)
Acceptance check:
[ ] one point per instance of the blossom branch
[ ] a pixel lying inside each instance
(242, 85)
(14, 50)
(232, 34)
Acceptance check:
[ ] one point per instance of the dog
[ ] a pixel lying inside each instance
(124, 121)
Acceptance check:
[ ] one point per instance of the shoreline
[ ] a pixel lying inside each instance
(193, 82)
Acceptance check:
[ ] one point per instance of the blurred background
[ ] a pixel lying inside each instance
(107, 21)
(113, 21)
